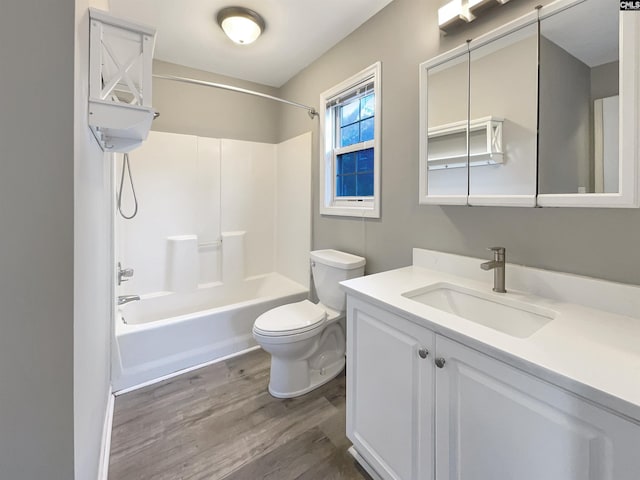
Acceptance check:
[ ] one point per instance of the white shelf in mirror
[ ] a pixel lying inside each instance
(490, 154)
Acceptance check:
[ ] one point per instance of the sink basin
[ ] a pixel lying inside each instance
(496, 311)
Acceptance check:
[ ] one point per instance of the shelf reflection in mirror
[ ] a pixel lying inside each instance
(579, 109)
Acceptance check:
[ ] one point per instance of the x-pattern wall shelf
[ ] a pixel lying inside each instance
(120, 63)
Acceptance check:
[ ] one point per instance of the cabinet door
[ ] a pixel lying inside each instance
(494, 422)
(389, 392)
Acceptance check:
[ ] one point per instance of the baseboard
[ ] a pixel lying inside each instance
(363, 463)
(105, 450)
(183, 371)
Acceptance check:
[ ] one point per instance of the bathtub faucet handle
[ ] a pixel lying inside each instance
(124, 299)
(124, 274)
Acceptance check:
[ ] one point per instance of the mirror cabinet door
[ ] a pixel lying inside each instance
(445, 165)
(579, 107)
(503, 119)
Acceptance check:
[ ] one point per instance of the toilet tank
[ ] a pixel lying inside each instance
(329, 268)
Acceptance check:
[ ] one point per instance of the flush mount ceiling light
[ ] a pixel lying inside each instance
(240, 24)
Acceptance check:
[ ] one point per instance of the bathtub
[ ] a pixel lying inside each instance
(168, 332)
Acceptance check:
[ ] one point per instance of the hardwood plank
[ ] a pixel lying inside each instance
(251, 439)
(159, 410)
(334, 428)
(289, 461)
(219, 422)
(339, 466)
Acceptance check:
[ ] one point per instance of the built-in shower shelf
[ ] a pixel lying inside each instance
(485, 150)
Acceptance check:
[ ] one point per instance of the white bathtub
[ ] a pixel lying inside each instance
(172, 331)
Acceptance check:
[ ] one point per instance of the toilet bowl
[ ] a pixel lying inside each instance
(306, 341)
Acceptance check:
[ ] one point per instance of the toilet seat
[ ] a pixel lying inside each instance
(290, 319)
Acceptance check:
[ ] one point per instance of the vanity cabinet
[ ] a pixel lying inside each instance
(463, 415)
(390, 392)
(494, 421)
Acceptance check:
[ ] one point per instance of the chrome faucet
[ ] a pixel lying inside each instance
(124, 299)
(124, 274)
(497, 265)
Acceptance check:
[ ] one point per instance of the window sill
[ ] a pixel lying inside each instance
(363, 209)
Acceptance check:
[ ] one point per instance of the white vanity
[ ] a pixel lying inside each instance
(449, 380)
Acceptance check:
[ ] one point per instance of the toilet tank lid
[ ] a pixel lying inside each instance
(337, 259)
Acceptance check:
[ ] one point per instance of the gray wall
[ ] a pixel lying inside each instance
(604, 80)
(210, 112)
(597, 242)
(36, 258)
(93, 271)
(565, 121)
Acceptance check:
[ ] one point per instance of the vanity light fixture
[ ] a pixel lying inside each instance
(479, 4)
(453, 12)
(241, 25)
(458, 12)
(475, 5)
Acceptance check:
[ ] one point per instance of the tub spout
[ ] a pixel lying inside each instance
(124, 299)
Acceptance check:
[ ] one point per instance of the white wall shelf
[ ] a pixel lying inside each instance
(119, 127)
(485, 150)
(120, 63)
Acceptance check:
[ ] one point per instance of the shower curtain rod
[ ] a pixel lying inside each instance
(312, 111)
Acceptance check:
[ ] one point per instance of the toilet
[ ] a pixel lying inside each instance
(306, 340)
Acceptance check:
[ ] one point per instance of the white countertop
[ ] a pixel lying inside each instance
(593, 352)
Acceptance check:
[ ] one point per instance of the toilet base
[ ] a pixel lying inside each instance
(317, 378)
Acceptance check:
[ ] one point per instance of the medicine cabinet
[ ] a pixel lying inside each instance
(542, 111)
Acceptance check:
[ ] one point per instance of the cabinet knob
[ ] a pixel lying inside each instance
(423, 352)
(440, 362)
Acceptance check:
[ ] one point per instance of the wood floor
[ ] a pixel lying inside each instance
(219, 422)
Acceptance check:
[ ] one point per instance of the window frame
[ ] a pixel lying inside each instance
(358, 206)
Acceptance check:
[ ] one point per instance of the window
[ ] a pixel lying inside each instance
(350, 146)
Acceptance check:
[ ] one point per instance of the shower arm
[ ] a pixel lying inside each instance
(310, 110)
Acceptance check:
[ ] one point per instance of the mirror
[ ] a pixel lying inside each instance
(503, 119)
(446, 142)
(579, 107)
(480, 104)
(552, 116)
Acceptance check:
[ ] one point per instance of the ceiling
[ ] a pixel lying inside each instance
(589, 31)
(297, 33)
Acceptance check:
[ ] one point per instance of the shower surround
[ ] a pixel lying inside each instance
(222, 235)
